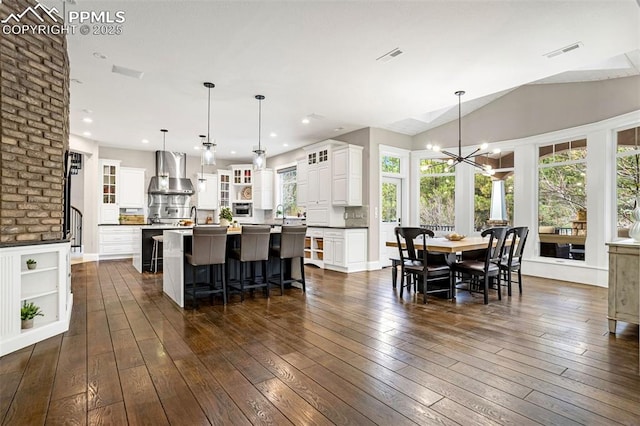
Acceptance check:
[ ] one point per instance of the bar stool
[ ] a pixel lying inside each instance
(254, 247)
(291, 247)
(157, 241)
(208, 248)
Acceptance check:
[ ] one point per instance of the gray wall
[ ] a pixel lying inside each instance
(539, 108)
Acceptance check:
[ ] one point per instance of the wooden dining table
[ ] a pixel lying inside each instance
(442, 245)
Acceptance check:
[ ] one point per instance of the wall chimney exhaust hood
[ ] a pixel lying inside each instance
(175, 164)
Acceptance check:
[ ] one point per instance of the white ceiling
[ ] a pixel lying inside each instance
(318, 59)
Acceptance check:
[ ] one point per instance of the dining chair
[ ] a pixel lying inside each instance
(291, 247)
(254, 248)
(208, 248)
(419, 266)
(484, 269)
(511, 259)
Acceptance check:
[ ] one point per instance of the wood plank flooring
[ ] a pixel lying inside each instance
(348, 352)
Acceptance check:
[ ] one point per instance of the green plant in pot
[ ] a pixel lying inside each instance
(225, 216)
(28, 312)
(31, 264)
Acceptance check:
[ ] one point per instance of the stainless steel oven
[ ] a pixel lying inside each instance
(242, 209)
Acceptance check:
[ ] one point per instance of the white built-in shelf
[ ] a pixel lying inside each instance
(34, 295)
(38, 270)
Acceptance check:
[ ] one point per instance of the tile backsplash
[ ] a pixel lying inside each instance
(356, 216)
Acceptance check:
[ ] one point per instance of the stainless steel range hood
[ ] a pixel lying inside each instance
(175, 164)
(175, 201)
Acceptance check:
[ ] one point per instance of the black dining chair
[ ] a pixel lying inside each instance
(511, 259)
(485, 269)
(208, 248)
(419, 267)
(291, 247)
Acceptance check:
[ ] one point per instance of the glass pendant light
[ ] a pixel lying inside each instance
(163, 180)
(259, 154)
(209, 148)
(202, 182)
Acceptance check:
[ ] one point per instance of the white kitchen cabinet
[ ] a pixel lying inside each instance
(131, 188)
(338, 249)
(347, 176)
(302, 183)
(242, 183)
(48, 287)
(108, 207)
(116, 242)
(224, 188)
(208, 199)
(263, 189)
(320, 211)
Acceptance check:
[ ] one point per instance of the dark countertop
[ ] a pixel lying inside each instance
(30, 243)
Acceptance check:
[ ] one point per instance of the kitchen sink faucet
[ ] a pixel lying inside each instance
(195, 217)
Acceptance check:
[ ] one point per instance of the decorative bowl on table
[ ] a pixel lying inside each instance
(454, 237)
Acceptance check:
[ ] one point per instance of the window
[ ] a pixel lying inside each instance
(437, 195)
(562, 199)
(390, 164)
(501, 193)
(628, 177)
(287, 194)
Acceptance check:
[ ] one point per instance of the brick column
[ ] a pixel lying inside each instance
(34, 130)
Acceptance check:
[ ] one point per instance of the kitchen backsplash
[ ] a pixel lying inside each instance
(356, 216)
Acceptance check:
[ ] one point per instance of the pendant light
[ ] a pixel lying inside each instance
(163, 180)
(456, 159)
(209, 148)
(259, 154)
(202, 182)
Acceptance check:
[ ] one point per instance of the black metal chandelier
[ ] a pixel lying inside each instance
(469, 158)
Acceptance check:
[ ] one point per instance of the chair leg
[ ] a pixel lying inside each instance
(499, 288)
(520, 280)
(424, 287)
(509, 282)
(486, 289)
(282, 262)
(394, 274)
(265, 275)
(224, 284)
(241, 282)
(193, 286)
(304, 283)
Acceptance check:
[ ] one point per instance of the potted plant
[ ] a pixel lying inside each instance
(28, 312)
(31, 264)
(225, 216)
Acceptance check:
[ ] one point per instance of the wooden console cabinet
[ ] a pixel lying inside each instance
(624, 263)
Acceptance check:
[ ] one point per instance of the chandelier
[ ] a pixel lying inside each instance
(458, 158)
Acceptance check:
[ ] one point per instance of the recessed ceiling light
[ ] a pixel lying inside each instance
(127, 72)
(273, 134)
(145, 140)
(86, 134)
(285, 144)
(87, 120)
(233, 152)
(99, 55)
(196, 147)
(305, 120)
(337, 129)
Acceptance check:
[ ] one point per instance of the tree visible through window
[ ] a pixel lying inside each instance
(437, 195)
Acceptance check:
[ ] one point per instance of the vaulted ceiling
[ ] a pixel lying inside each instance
(325, 61)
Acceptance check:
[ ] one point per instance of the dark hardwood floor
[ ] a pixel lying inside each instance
(349, 352)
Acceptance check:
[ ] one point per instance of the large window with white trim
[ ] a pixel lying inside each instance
(437, 195)
(493, 193)
(562, 199)
(627, 177)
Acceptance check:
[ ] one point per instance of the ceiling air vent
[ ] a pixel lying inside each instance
(128, 72)
(390, 55)
(565, 49)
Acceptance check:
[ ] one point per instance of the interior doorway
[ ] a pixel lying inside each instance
(390, 217)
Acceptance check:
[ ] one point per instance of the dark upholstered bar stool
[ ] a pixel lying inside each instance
(291, 247)
(208, 249)
(254, 247)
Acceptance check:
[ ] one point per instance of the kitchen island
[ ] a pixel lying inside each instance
(178, 273)
(143, 245)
